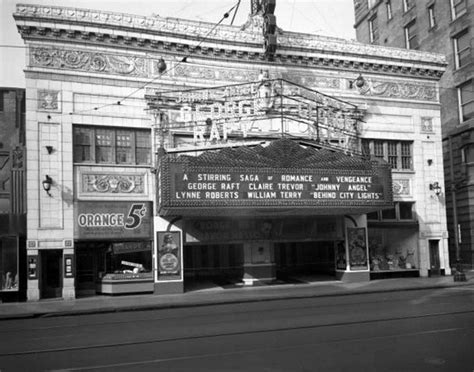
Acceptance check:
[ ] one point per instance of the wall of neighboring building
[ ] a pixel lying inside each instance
(439, 38)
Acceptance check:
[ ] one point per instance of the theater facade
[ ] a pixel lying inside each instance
(164, 152)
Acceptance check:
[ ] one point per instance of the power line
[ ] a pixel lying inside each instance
(183, 60)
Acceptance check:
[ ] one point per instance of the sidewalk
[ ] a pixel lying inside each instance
(220, 295)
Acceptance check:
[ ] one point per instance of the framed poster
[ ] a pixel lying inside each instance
(357, 240)
(169, 254)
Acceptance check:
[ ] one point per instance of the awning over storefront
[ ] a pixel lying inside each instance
(284, 178)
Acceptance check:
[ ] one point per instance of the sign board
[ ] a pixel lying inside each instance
(113, 220)
(169, 255)
(276, 188)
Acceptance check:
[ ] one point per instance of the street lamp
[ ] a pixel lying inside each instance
(47, 182)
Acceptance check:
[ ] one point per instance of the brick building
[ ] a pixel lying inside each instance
(165, 151)
(444, 27)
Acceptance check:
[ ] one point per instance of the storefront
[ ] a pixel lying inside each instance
(113, 247)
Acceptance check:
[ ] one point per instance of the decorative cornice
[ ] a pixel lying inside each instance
(183, 37)
(68, 59)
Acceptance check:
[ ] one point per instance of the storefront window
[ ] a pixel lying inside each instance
(388, 254)
(128, 260)
(8, 264)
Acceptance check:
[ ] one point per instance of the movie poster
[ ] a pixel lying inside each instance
(169, 254)
(357, 248)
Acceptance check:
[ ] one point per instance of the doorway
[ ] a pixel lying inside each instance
(435, 267)
(51, 273)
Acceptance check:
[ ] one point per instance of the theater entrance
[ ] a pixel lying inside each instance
(305, 261)
(222, 265)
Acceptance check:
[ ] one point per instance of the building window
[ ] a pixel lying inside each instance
(397, 153)
(401, 212)
(2, 97)
(111, 146)
(411, 39)
(407, 4)
(373, 30)
(462, 49)
(431, 16)
(466, 100)
(458, 8)
(388, 5)
(371, 3)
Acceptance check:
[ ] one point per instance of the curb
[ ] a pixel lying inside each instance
(220, 301)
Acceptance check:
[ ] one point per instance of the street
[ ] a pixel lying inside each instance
(419, 330)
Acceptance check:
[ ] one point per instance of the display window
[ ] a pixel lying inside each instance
(128, 260)
(8, 264)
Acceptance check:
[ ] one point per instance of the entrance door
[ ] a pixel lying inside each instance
(51, 273)
(435, 268)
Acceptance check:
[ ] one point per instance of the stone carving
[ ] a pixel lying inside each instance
(427, 125)
(401, 187)
(250, 32)
(48, 100)
(114, 184)
(88, 61)
(390, 89)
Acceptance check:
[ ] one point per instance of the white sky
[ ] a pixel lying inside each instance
(323, 17)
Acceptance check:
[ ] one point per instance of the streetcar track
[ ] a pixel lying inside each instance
(235, 333)
(253, 350)
(178, 317)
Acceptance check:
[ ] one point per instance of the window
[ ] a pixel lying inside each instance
(388, 5)
(458, 8)
(111, 146)
(2, 97)
(373, 30)
(466, 100)
(431, 16)
(401, 211)
(407, 4)
(8, 264)
(462, 49)
(397, 153)
(411, 39)
(371, 3)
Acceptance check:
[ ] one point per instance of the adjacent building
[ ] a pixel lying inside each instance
(164, 151)
(12, 195)
(444, 27)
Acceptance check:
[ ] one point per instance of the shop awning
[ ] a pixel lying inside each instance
(284, 178)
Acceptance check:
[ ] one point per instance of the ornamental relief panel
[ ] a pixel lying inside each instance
(401, 187)
(88, 61)
(113, 183)
(390, 89)
(138, 66)
(48, 100)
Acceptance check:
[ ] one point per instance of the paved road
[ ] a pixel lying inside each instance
(426, 330)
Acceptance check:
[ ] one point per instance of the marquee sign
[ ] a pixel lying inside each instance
(304, 179)
(265, 106)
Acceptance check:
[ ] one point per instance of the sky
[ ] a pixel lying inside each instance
(323, 17)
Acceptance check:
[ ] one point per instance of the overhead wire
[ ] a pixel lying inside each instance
(141, 87)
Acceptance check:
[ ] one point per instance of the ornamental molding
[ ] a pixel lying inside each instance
(49, 100)
(130, 65)
(249, 33)
(95, 183)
